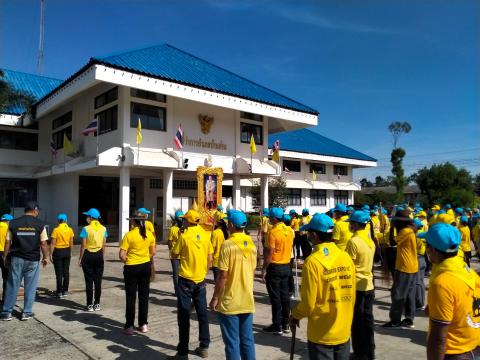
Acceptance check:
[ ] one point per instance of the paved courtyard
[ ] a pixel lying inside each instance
(62, 329)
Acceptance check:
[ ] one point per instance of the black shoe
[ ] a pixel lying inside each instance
(201, 352)
(26, 316)
(408, 323)
(272, 329)
(286, 329)
(5, 317)
(392, 325)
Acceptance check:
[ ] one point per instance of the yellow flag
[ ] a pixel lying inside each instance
(276, 156)
(314, 176)
(253, 148)
(139, 132)
(67, 145)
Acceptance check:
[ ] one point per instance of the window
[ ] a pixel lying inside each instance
(250, 116)
(153, 117)
(62, 120)
(106, 97)
(227, 191)
(291, 166)
(340, 170)
(340, 196)
(318, 197)
(246, 131)
(57, 137)
(317, 167)
(148, 95)
(107, 120)
(156, 183)
(18, 140)
(294, 197)
(185, 184)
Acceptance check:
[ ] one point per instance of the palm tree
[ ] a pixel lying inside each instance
(10, 97)
(397, 128)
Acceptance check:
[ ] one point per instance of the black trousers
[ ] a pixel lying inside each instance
(137, 280)
(92, 265)
(61, 264)
(363, 342)
(4, 270)
(306, 246)
(277, 287)
(297, 244)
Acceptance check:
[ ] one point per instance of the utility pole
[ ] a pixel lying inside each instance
(41, 40)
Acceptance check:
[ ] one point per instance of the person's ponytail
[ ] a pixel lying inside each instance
(142, 228)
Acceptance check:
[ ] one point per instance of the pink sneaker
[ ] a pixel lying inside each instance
(143, 329)
(128, 331)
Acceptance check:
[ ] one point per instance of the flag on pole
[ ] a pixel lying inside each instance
(178, 139)
(91, 128)
(68, 147)
(253, 148)
(287, 171)
(314, 175)
(139, 132)
(276, 151)
(53, 149)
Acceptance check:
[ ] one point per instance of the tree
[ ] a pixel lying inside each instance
(365, 183)
(398, 128)
(477, 184)
(277, 192)
(380, 181)
(445, 183)
(10, 97)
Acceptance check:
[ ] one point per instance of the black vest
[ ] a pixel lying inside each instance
(26, 232)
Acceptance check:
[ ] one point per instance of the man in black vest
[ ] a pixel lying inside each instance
(25, 238)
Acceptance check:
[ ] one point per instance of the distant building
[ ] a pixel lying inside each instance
(411, 193)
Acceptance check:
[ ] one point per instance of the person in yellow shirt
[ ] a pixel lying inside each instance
(305, 245)
(3, 235)
(341, 233)
(476, 233)
(449, 210)
(195, 251)
(422, 265)
(92, 252)
(434, 213)
(327, 294)
(233, 295)
(361, 249)
(218, 237)
(276, 271)
(137, 250)
(142, 212)
(295, 225)
(458, 214)
(406, 268)
(453, 299)
(264, 229)
(173, 235)
(61, 253)
(465, 245)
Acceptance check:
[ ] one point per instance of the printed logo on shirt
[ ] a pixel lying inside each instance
(198, 237)
(326, 252)
(245, 243)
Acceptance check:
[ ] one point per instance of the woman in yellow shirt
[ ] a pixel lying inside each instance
(465, 245)
(3, 235)
(137, 249)
(61, 253)
(173, 235)
(218, 237)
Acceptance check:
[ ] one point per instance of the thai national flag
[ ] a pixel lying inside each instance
(91, 128)
(178, 139)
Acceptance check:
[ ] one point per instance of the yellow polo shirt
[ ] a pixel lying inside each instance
(295, 225)
(172, 238)
(328, 295)
(193, 247)
(341, 234)
(137, 248)
(465, 244)
(450, 301)
(407, 260)
(304, 221)
(149, 226)
(362, 251)
(217, 240)
(238, 257)
(95, 234)
(3, 234)
(63, 235)
(280, 242)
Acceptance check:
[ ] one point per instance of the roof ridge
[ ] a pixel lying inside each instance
(121, 52)
(30, 74)
(240, 76)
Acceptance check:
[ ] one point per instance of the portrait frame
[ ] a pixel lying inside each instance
(203, 173)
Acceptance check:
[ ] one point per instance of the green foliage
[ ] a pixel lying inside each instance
(277, 192)
(398, 128)
(253, 222)
(445, 183)
(397, 170)
(380, 181)
(9, 96)
(476, 184)
(365, 183)
(375, 198)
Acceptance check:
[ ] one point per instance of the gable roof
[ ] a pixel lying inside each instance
(310, 142)
(169, 63)
(34, 85)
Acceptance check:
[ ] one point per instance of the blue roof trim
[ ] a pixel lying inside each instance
(308, 141)
(169, 63)
(34, 85)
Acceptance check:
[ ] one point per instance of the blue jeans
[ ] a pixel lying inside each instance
(175, 266)
(188, 291)
(237, 334)
(28, 271)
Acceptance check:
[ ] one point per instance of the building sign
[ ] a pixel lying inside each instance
(202, 143)
(205, 123)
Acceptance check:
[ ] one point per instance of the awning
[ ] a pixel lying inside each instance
(131, 157)
(321, 185)
(258, 167)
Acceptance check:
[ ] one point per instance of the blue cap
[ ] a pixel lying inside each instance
(276, 212)
(359, 216)
(443, 237)
(468, 209)
(448, 206)
(231, 211)
(464, 219)
(350, 208)
(459, 210)
(340, 207)
(7, 217)
(441, 212)
(376, 207)
(238, 219)
(319, 222)
(143, 211)
(292, 212)
(418, 223)
(265, 212)
(220, 207)
(178, 214)
(93, 213)
(365, 207)
(305, 211)
(384, 211)
(62, 217)
(286, 218)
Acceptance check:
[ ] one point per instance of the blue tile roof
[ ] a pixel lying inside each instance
(167, 62)
(308, 141)
(34, 85)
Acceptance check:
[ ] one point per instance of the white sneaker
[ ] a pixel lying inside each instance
(97, 307)
(89, 308)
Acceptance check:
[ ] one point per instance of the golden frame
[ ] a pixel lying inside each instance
(203, 171)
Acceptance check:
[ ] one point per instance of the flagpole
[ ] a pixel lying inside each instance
(98, 134)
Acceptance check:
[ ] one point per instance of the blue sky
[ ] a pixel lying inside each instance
(361, 64)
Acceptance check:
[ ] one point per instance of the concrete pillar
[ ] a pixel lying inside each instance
(236, 195)
(264, 192)
(167, 199)
(124, 201)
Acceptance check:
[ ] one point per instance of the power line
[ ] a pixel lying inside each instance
(436, 153)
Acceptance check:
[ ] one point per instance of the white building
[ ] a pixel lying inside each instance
(166, 88)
